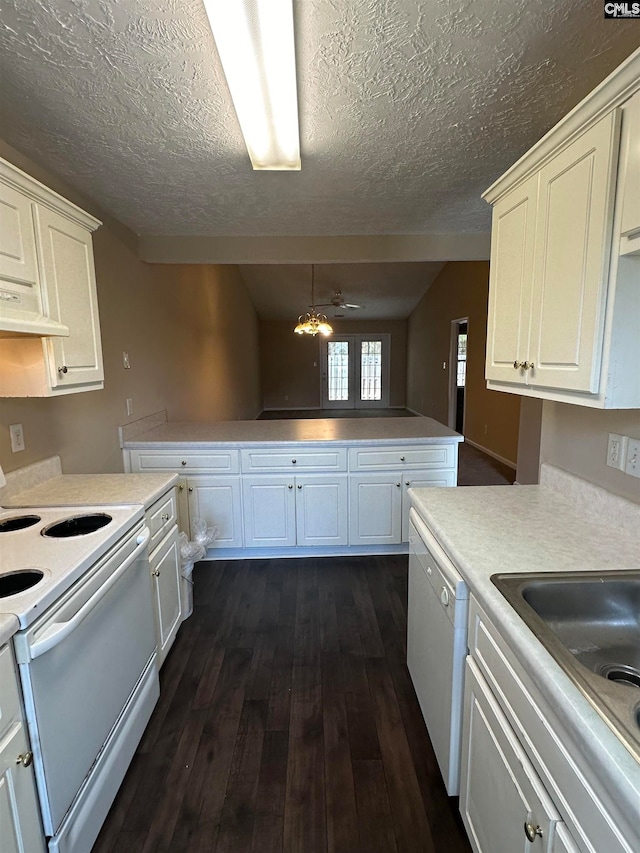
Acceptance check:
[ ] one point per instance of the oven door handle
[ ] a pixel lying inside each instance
(57, 631)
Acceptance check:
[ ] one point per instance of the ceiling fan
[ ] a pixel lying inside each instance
(338, 301)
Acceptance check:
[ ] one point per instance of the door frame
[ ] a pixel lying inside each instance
(355, 339)
(453, 374)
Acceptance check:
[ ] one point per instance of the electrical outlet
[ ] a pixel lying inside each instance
(17, 437)
(125, 360)
(632, 465)
(129, 405)
(617, 451)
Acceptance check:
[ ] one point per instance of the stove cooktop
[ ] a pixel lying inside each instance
(43, 551)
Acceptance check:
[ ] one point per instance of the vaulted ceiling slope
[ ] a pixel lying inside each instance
(408, 109)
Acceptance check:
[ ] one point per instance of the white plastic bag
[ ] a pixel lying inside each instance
(202, 534)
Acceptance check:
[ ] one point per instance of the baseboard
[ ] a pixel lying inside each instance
(290, 409)
(497, 456)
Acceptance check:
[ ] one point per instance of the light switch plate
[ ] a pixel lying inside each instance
(17, 437)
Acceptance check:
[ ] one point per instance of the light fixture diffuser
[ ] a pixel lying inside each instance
(255, 43)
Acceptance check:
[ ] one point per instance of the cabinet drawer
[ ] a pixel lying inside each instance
(545, 742)
(294, 459)
(161, 517)
(425, 456)
(216, 462)
(9, 696)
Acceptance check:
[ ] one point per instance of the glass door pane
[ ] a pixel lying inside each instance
(337, 371)
(370, 370)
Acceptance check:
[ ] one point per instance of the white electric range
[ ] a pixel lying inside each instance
(86, 654)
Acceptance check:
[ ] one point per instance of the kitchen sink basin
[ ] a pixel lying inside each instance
(590, 623)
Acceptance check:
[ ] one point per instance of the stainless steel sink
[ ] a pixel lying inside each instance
(590, 623)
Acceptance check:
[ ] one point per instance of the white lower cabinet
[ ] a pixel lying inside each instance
(379, 504)
(503, 803)
(20, 825)
(525, 784)
(217, 501)
(164, 564)
(286, 511)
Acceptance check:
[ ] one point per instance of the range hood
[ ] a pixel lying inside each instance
(14, 324)
(21, 313)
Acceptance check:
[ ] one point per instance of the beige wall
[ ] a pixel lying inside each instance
(492, 418)
(575, 438)
(192, 337)
(290, 364)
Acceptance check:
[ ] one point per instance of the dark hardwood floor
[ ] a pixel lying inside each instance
(288, 722)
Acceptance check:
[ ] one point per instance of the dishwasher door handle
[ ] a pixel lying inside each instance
(57, 631)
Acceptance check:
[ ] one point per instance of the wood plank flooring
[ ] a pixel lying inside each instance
(288, 722)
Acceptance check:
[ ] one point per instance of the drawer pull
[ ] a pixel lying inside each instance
(532, 831)
(289, 486)
(181, 488)
(184, 462)
(444, 596)
(402, 458)
(165, 516)
(398, 485)
(62, 370)
(25, 758)
(299, 487)
(293, 461)
(155, 573)
(190, 488)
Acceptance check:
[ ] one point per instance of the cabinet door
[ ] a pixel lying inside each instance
(269, 511)
(375, 509)
(572, 251)
(69, 293)
(500, 792)
(421, 480)
(165, 572)
(321, 510)
(217, 500)
(18, 263)
(510, 283)
(630, 226)
(563, 841)
(20, 826)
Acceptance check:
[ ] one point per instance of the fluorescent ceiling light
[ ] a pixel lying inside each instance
(256, 47)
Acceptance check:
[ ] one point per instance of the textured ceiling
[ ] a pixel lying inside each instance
(408, 109)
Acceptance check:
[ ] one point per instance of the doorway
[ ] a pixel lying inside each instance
(355, 371)
(458, 373)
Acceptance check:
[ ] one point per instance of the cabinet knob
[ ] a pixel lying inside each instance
(293, 461)
(289, 486)
(63, 369)
(165, 516)
(407, 482)
(184, 462)
(402, 458)
(398, 485)
(190, 488)
(155, 573)
(528, 365)
(532, 831)
(299, 487)
(516, 364)
(25, 758)
(181, 488)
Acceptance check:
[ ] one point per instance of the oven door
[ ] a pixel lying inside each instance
(79, 664)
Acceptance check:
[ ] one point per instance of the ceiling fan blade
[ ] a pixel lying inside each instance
(350, 305)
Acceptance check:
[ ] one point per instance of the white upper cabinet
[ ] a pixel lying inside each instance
(49, 325)
(69, 293)
(564, 316)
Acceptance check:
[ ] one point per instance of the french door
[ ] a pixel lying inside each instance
(355, 371)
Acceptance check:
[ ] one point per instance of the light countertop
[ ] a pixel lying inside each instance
(8, 626)
(81, 489)
(490, 529)
(347, 430)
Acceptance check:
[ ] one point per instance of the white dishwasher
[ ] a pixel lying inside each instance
(438, 606)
